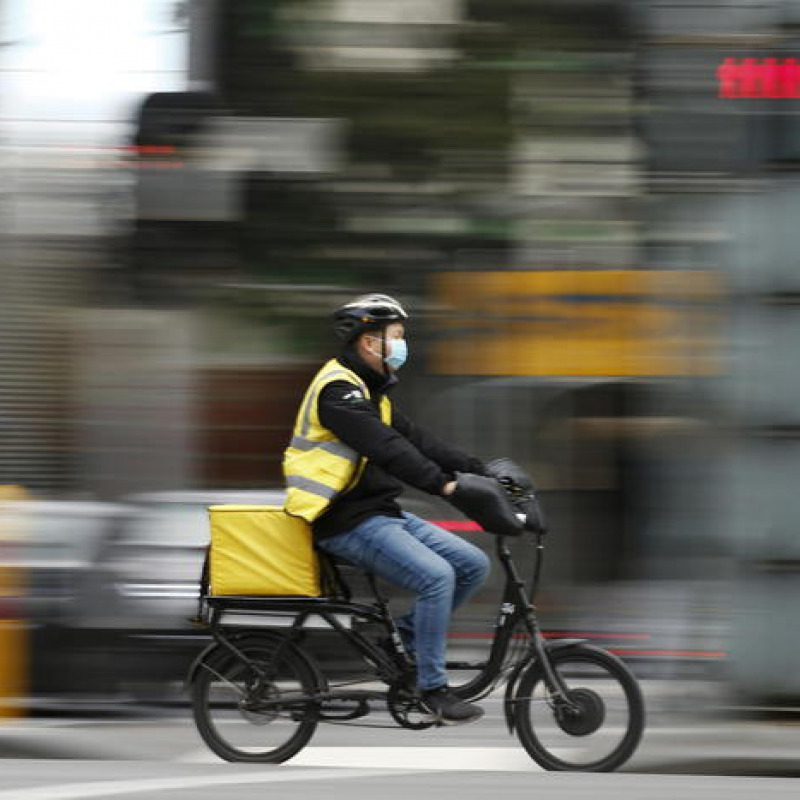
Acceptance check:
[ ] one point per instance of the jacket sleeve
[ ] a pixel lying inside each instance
(355, 420)
(449, 459)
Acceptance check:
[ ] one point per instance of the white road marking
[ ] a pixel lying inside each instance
(505, 759)
(82, 791)
(483, 759)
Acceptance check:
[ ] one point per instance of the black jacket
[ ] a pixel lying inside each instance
(397, 454)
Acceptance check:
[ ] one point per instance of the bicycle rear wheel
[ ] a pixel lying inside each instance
(598, 730)
(261, 712)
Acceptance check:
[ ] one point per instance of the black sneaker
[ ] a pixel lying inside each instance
(447, 709)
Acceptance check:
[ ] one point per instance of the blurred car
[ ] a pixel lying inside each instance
(156, 562)
(158, 557)
(52, 554)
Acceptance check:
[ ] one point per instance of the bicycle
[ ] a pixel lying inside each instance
(258, 695)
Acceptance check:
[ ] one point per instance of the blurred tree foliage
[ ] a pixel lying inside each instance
(452, 123)
(406, 120)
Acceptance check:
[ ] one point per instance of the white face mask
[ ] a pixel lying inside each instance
(398, 352)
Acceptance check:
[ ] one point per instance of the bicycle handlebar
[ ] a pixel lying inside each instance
(501, 508)
(526, 505)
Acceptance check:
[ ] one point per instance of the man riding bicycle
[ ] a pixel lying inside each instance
(349, 456)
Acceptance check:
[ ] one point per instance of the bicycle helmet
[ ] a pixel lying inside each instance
(365, 313)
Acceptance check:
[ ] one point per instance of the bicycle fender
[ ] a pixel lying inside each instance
(559, 644)
(550, 645)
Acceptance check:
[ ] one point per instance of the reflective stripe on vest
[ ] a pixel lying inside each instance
(337, 448)
(318, 466)
(309, 485)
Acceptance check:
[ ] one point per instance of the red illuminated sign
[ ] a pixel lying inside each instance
(754, 78)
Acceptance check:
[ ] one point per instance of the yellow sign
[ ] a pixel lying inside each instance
(576, 323)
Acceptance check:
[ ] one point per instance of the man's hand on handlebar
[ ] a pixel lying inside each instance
(484, 501)
(521, 490)
(503, 502)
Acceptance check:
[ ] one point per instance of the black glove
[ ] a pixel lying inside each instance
(484, 501)
(520, 487)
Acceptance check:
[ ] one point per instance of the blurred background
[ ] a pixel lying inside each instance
(598, 249)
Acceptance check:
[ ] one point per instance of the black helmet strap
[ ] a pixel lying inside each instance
(384, 349)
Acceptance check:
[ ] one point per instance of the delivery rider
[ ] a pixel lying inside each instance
(350, 454)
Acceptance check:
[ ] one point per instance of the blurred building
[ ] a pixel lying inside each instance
(722, 195)
(72, 73)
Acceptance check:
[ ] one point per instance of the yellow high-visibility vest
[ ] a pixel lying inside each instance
(318, 467)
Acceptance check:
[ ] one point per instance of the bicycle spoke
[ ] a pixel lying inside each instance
(223, 678)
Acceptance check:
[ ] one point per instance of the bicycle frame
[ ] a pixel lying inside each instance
(517, 607)
(301, 609)
(393, 667)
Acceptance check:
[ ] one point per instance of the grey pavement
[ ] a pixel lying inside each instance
(76, 781)
(695, 746)
(690, 731)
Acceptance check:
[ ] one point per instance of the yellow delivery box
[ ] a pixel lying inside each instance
(261, 550)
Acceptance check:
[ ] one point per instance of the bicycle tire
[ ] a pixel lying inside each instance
(570, 732)
(220, 700)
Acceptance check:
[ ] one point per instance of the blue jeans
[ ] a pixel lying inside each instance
(441, 568)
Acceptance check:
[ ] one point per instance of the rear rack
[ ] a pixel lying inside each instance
(283, 612)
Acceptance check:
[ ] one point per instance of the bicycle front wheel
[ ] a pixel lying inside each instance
(256, 709)
(600, 726)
